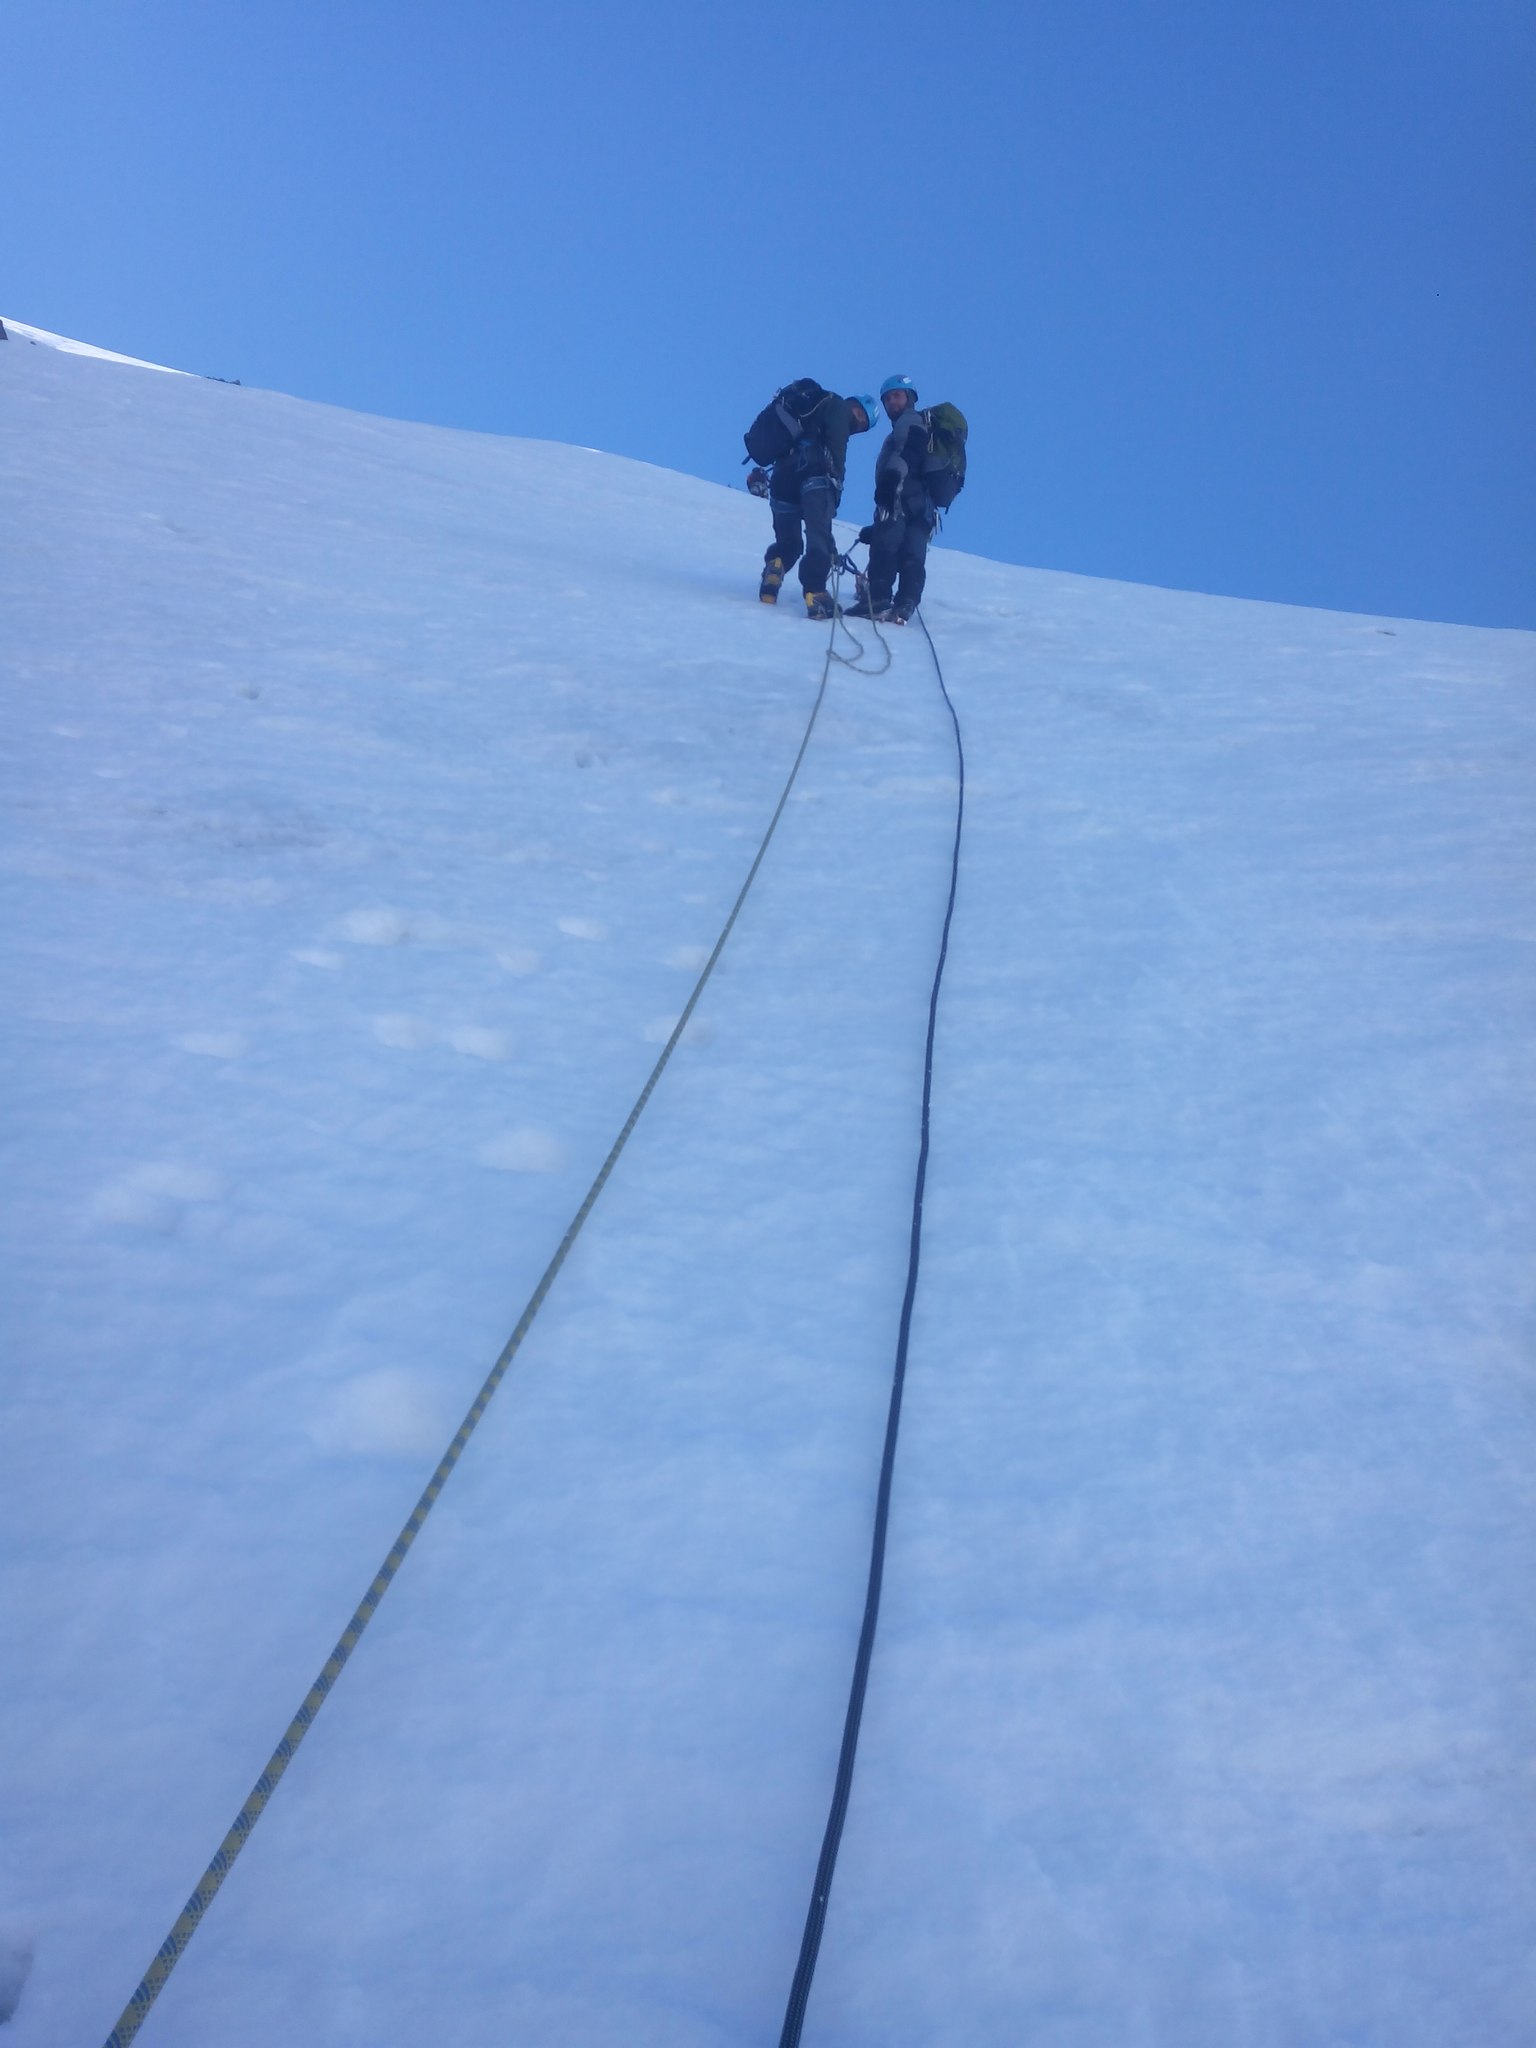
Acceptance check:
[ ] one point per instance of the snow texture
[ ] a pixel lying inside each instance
(373, 794)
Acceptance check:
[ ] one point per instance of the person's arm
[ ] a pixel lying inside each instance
(905, 450)
(836, 425)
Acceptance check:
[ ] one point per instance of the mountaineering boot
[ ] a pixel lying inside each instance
(896, 615)
(862, 607)
(817, 605)
(773, 576)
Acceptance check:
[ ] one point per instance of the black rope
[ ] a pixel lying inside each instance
(821, 1892)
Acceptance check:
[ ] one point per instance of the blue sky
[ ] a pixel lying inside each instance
(1237, 299)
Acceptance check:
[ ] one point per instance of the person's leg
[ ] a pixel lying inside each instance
(912, 558)
(884, 554)
(783, 550)
(786, 543)
(818, 501)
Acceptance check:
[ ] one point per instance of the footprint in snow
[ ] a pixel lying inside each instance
(524, 1151)
(389, 1412)
(378, 927)
(413, 1034)
(155, 1196)
(476, 1043)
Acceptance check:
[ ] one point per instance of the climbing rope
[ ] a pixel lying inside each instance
(172, 1948)
(821, 1890)
(841, 564)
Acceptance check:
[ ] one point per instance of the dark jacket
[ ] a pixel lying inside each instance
(822, 449)
(902, 455)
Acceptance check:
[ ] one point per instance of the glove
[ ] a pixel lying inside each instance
(866, 534)
(757, 482)
(885, 493)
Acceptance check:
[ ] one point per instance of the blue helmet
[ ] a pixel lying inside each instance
(899, 384)
(862, 398)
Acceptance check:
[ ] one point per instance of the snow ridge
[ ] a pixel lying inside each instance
(18, 330)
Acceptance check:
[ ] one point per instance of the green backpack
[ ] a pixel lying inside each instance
(944, 471)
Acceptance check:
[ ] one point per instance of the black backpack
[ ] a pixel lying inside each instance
(782, 421)
(944, 471)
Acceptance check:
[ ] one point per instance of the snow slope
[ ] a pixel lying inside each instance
(373, 794)
(18, 330)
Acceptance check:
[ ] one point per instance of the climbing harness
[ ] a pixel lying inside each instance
(170, 1950)
(821, 1890)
